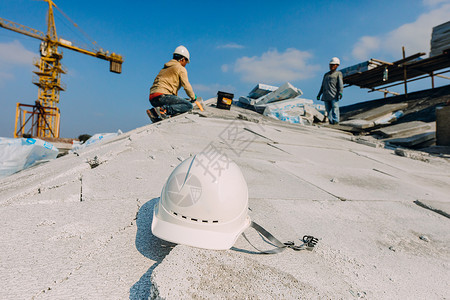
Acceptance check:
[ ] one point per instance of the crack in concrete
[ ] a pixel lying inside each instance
(258, 134)
(376, 170)
(271, 145)
(423, 205)
(295, 175)
(81, 188)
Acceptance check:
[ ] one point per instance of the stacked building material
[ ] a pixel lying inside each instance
(283, 103)
(358, 68)
(440, 39)
(262, 94)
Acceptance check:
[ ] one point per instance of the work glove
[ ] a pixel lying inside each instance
(318, 97)
(193, 100)
(340, 96)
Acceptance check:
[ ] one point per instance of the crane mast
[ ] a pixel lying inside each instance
(45, 114)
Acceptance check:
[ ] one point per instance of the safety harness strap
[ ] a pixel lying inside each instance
(308, 241)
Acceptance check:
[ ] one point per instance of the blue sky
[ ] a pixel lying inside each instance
(233, 44)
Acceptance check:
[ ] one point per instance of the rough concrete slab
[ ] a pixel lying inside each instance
(351, 183)
(414, 140)
(442, 208)
(375, 113)
(358, 123)
(206, 274)
(73, 229)
(344, 127)
(350, 261)
(369, 141)
(408, 128)
(355, 257)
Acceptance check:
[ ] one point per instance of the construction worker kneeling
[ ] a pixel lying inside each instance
(164, 91)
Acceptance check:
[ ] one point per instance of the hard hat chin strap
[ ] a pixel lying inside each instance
(308, 241)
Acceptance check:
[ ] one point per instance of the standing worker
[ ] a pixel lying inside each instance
(164, 91)
(331, 91)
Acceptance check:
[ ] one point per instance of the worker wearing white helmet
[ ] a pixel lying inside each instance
(331, 91)
(164, 91)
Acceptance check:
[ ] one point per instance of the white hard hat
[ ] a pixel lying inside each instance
(203, 204)
(182, 50)
(335, 61)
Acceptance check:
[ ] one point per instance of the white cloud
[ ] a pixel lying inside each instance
(14, 53)
(365, 46)
(276, 67)
(434, 2)
(230, 46)
(414, 36)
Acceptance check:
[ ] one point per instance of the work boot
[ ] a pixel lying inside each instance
(152, 114)
(162, 113)
(156, 115)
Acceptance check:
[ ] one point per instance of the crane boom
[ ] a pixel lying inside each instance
(46, 112)
(115, 59)
(19, 28)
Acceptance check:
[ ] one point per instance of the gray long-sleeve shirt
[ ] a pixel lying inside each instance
(332, 85)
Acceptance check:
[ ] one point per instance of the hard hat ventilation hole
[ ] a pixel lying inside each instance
(194, 219)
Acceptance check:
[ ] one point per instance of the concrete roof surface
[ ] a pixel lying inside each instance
(70, 231)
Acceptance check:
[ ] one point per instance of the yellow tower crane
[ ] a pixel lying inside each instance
(44, 118)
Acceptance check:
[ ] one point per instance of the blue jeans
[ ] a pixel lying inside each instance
(332, 108)
(174, 105)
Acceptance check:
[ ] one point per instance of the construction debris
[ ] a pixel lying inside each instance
(418, 140)
(95, 139)
(443, 126)
(358, 124)
(404, 129)
(414, 122)
(379, 112)
(284, 92)
(261, 90)
(440, 39)
(297, 111)
(358, 68)
(283, 103)
(20, 154)
(263, 94)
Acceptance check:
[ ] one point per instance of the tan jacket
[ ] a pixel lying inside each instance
(171, 78)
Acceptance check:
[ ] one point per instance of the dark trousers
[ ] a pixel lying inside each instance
(174, 105)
